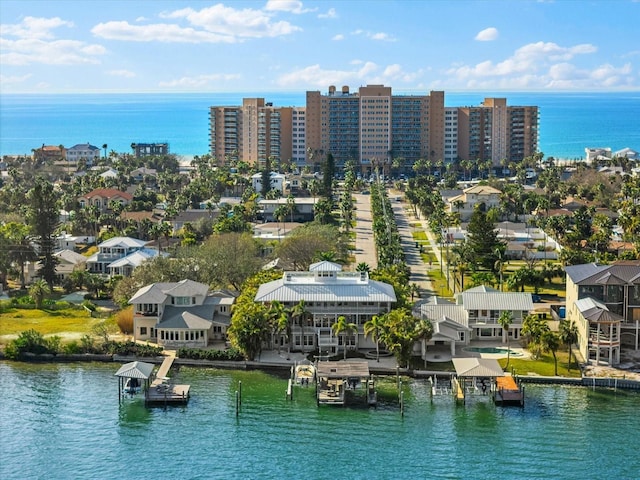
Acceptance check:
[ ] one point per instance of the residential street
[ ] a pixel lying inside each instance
(365, 246)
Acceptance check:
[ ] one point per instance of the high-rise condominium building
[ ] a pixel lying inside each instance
(373, 127)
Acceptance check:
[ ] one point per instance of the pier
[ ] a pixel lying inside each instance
(157, 390)
(334, 379)
(162, 392)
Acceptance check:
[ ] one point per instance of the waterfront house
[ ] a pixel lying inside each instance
(604, 303)
(181, 314)
(328, 294)
(475, 315)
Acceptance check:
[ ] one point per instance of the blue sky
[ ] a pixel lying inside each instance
(290, 45)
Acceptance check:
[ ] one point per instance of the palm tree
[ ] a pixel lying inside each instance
(374, 329)
(568, 336)
(344, 328)
(551, 343)
(505, 320)
(279, 320)
(424, 332)
(299, 311)
(363, 267)
(38, 290)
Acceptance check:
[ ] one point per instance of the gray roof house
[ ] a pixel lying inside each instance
(604, 303)
(181, 314)
(475, 315)
(329, 293)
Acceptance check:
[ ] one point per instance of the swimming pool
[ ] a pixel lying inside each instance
(498, 350)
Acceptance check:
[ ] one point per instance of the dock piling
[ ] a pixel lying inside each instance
(237, 404)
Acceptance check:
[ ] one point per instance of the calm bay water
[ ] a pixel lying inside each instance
(62, 421)
(569, 122)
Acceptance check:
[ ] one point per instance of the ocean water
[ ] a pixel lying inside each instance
(60, 421)
(569, 122)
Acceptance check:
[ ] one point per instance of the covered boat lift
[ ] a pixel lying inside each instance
(475, 377)
(334, 379)
(140, 371)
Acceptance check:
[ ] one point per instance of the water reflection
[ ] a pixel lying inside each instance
(133, 413)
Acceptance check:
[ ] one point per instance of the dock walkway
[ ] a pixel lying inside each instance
(161, 392)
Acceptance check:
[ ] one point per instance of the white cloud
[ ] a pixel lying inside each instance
(7, 80)
(227, 21)
(56, 52)
(292, 6)
(540, 66)
(34, 27)
(331, 13)
(527, 59)
(121, 73)
(364, 72)
(487, 35)
(338, 37)
(199, 81)
(36, 43)
(374, 35)
(157, 32)
(381, 36)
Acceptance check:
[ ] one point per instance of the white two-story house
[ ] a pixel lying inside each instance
(328, 293)
(119, 256)
(181, 314)
(474, 316)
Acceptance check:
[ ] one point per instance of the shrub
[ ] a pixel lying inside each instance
(31, 341)
(131, 348)
(89, 306)
(231, 354)
(124, 320)
(72, 348)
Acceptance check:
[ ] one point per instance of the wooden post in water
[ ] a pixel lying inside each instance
(402, 404)
(237, 403)
(119, 390)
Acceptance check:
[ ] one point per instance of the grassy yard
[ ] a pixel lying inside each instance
(543, 366)
(419, 235)
(13, 321)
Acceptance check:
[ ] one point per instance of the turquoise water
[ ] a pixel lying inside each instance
(569, 122)
(63, 421)
(492, 350)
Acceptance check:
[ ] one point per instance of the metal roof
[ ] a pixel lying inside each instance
(123, 242)
(141, 370)
(371, 291)
(325, 266)
(439, 312)
(592, 274)
(343, 369)
(497, 301)
(477, 367)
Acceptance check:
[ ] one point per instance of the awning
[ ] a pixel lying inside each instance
(135, 370)
(477, 367)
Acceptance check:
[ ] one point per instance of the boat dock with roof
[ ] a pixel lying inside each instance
(336, 380)
(157, 389)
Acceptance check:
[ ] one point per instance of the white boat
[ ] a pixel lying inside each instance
(132, 386)
(305, 374)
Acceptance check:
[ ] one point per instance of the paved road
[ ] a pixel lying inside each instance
(365, 246)
(419, 271)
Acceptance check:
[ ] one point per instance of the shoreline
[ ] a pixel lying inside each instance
(621, 383)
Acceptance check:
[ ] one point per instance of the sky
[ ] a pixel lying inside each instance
(80, 46)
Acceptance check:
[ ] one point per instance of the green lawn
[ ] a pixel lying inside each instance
(419, 235)
(13, 321)
(543, 366)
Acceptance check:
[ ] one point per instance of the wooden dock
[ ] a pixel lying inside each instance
(508, 392)
(161, 392)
